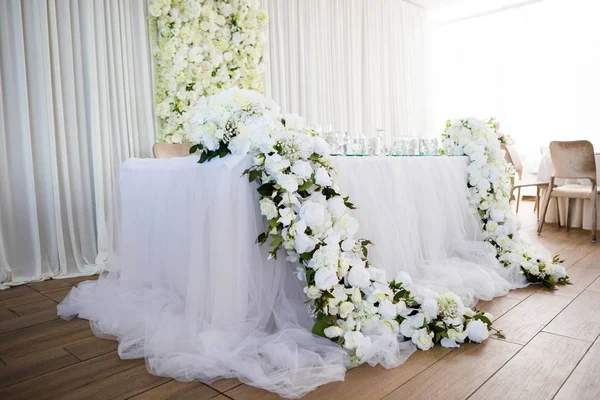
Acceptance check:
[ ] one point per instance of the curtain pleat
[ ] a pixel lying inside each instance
(75, 101)
(358, 65)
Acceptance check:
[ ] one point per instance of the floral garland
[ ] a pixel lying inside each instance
(200, 48)
(350, 299)
(489, 189)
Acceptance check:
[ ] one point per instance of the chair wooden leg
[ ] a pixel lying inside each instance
(536, 207)
(594, 213)
(546, 203)
(557, 213)
(518, 198)
(570, 203)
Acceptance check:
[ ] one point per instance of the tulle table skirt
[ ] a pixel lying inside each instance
(189, 290)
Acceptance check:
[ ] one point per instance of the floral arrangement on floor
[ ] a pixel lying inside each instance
(350, 299)
(201, 47)
(489, 188)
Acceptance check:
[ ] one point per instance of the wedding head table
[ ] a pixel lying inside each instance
(191, 291)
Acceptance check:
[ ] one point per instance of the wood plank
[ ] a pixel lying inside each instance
(581, 279)
(92, 347)
(247, 392)
(28, 320)
(591, 261)
(123, 385)
(58, 295)
(583, 382)
(366, 382)
(68, 379)
(35, 364)
(458, 374)
(26, 298)
(530, 316)
(523, 293)
(580, 320)
(39, 337)
(177, 390)
(77, 280)
(35, 307)
(223, 385)
(537, 372)
(595, 286)
(16, 291)
(498, 306)
(49, 285)
(6, 315)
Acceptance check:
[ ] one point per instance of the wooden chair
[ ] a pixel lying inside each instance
(512, 157)
(573, 160)
(165, 150)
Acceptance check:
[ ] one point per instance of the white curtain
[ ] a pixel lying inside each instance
(535, 67)
(358, 65)
(75, 101)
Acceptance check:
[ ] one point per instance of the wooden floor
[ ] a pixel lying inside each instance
(551, 348)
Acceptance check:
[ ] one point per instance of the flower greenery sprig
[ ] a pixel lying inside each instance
(351, 301)
(201, 47)
(489, 187)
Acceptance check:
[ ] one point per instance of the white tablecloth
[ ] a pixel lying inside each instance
(199, 300)
(582, 211)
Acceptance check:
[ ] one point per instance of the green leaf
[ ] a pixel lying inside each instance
(203, 157)
(266, 189)
(323, 322)
(254, 174)
(223, 150)
(304, 186)
(262, 238)
(484, 319)
(193, 149)
(277, 240)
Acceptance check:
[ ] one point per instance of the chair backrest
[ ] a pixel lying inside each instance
(165, 150)
(513, 157)
(573, 160)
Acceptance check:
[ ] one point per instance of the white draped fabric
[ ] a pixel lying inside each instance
(358, 65)
(191, 292)
(75, 84)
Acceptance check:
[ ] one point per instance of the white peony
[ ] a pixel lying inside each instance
(497, 215)
(275, 163)
(348, 225)
(288, 182)
(377, 275)
(477, 331)
(304, 243)
(321, 146)
(445, 342)
(336, 206)
(387, 309)
(430, 306)
(268, 208)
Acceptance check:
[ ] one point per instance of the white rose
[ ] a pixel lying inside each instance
(345, 309)
(268, 208)
(312, 292)
(321, 146)
(325, 278)
(422, 339)
(491, 226)
(333, 332)
(477, 331)
(387, 309)
(347, 224)
(312, 213)
(430, 306)
(497, 215)
(322, 177)
(155, 10)
(336, 206)
(359, 277)
(287, 182)
(302, 169)
(348, 244)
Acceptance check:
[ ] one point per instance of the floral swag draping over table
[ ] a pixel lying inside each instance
(360, 315)
(309, 218)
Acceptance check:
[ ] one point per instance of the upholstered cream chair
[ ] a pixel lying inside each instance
(512, 157)
(164, 150)
(573, 160)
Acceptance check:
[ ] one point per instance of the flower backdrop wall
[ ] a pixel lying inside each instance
(201, 47)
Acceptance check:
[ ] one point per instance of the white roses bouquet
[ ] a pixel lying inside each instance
(489, 187)
(200, 48)
(310, 220)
